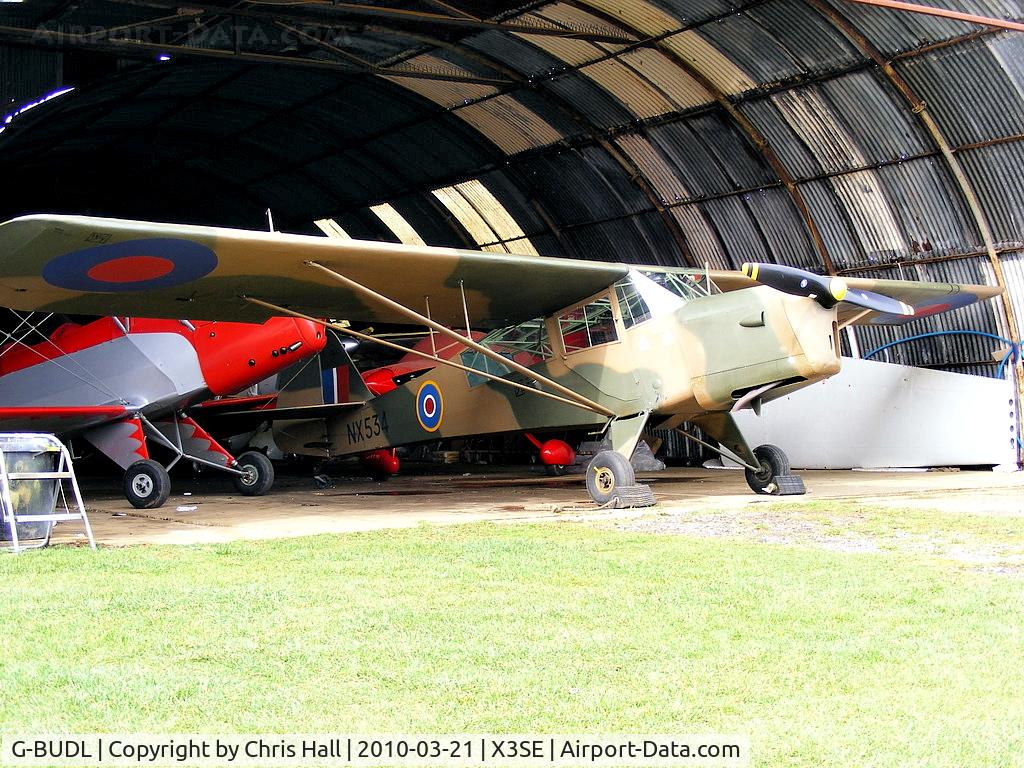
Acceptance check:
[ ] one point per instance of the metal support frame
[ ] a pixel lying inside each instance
(718, 449)
(395, 20)
(35, 37)
(944, 13)
(64, 471)
(179, 451)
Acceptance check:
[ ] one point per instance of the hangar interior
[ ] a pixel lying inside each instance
(838, 137)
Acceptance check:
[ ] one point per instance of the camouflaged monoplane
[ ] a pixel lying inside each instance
(569, 343)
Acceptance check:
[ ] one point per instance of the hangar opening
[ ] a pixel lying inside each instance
(840, 138)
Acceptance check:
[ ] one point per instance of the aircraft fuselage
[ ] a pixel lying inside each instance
(682, 360)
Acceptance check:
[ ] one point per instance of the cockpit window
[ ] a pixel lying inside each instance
(632, 306)
(526, 343)
(588, 326)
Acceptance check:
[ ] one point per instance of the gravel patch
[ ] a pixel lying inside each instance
(791, 528)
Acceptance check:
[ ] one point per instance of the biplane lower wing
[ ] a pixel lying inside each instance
(59, 419)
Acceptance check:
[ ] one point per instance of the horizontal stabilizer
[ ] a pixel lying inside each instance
(231, 404)
(297, 412)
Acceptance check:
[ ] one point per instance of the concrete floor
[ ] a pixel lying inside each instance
(460, 494)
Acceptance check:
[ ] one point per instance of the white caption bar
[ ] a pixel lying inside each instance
(405, 750)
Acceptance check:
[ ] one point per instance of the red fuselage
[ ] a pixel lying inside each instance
(144, 365)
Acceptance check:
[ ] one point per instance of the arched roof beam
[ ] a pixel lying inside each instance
(920, 110)
(944, 13)
(39, 37)
(757, 139)
(400, 18)
(633, 172)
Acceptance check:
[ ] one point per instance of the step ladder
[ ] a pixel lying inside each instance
(16, 493)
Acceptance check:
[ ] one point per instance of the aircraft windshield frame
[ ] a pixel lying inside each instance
(685, 285)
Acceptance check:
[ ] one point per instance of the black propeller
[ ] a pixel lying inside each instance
(827, 291)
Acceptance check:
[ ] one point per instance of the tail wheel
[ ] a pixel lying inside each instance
(607, 473)
(259, 474)
(147, 484)
(773, 463)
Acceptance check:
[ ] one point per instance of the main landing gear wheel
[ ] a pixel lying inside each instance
(774, 464)
(147, 484)
(607, 474)
(259, 474)
(555, 470)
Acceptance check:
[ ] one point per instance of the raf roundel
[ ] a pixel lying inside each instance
(429, 406)
(133, 265)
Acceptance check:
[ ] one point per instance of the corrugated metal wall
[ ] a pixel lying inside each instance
(710, 134)
(26, 74)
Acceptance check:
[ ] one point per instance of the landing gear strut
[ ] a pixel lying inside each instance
(147, 484)
(610, 477)
(766, 467)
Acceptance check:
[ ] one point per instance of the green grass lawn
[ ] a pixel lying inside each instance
(823, 658)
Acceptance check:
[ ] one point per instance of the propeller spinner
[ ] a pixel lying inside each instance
(827, 291)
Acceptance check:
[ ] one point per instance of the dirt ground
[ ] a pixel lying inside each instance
(695, 501)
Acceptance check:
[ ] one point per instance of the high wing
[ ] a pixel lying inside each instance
(84, 265)
(925, 298)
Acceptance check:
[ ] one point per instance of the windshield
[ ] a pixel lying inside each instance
(685, 285)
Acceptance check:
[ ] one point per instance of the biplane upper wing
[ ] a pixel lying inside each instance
(84, 265)
(925, 298)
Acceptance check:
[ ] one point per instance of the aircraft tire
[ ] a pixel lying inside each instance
(774, 463)
(607, 473)
(147, 484)
(261, 474)
(555, 470)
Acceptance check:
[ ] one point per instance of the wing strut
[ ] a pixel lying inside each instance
(412, 314)
(406, 350)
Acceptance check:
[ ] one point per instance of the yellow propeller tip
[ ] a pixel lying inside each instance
(838, 288)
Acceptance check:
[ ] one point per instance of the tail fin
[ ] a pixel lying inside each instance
(330, 377)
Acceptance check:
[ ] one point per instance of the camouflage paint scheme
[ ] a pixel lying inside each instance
(689, 362)
(673, 367)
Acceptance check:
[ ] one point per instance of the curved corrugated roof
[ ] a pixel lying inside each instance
(819, 133)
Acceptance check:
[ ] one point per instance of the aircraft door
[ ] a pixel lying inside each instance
(592, 342)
